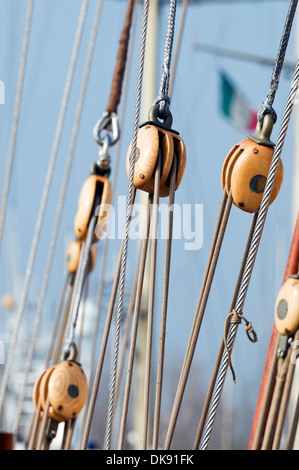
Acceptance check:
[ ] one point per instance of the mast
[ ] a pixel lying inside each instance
(148, 97)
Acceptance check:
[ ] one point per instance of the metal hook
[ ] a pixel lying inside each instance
(108, 123)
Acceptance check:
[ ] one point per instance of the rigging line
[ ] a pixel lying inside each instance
(80, 282)
(127, 223)
(16, 116)
(271, 360)
(83, 315)
(178, 47)
(159, 381)
(284, 400)
(44, 200)
(294, 427)
(151, 298)
(102, 353)
(266, 107)
(163, 98)
(252, 254)
(118, 75)
(116, 162)
(126, 337)
(55, 353)
(61, 201)
(141, 270)
(221, 349)
(219, 232)
(282, 368)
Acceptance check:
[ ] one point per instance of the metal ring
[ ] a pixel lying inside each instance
(108, 123)
(154, 113)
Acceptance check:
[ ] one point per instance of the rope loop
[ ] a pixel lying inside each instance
(265, 109)
(236, 318)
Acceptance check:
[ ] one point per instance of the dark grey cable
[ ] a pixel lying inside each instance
(266, 107)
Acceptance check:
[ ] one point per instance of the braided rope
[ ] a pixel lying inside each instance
(251, 258)
(163, 98)
(14, 130)
(127, 226)
(266, 107)
(44, 200)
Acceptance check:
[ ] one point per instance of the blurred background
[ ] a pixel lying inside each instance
(237, 38)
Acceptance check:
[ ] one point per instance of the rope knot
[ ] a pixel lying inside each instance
(266, 108)
(235, 317)
(163, 101)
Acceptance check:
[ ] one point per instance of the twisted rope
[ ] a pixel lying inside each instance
(127, 226)
(266, 107)
(163, 98)
(236, 318)
(251, 257)
(14, 130)
(44, 200)
(60, 206)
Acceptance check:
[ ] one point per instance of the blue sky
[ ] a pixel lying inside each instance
(242, 26)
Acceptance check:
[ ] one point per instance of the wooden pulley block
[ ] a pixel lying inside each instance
(95, 187)
(151, 139)
(73, 256)
(246, 167)
(67, 389)
(287, 307)
(245, 173)
(40, 393)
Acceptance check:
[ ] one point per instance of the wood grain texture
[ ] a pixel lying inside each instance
(94, 185)
(287, 307)
(72, 257)
(67, 389)
(150, 140)
(249, 177)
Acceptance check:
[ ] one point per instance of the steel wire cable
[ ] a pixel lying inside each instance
(251, 258)
(57, 222)
(44, 200)
(127, 225)
(16, 116)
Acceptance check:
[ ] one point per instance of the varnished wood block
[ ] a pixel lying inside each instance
(150, 140)
(229, 163)
(249, 176)
(93, 186)
(73, 256)
(287, 307)
(67, 389)
(40, 392)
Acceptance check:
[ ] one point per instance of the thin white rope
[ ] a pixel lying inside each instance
(60, 206)
(127, 226)
(44, 200)
(16, 116)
